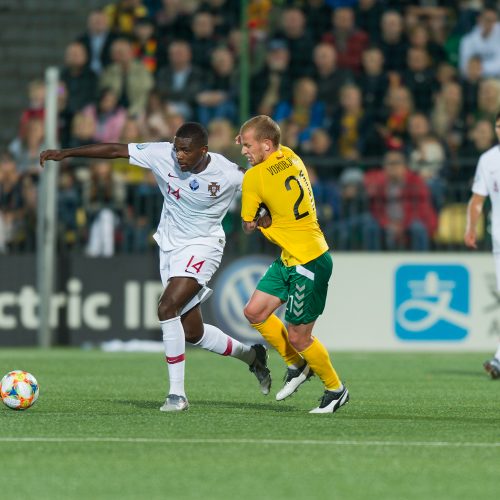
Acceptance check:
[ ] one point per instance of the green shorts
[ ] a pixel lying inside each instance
(302, 287)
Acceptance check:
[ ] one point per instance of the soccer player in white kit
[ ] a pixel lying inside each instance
(198, 188)
(487, 183)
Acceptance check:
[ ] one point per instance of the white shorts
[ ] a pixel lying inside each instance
(195, 261)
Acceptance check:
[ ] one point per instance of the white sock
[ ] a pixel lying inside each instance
(175, 348)
(497, 354)
(216, 340)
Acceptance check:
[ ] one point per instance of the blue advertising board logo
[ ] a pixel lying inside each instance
(431, 302)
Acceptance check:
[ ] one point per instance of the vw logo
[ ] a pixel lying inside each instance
(232, 290)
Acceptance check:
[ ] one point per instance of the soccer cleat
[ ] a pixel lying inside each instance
(331, 401)
(294, 378)
(260, 370)
(175, 403)
(493, 368)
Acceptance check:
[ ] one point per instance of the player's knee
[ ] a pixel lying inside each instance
(254, 315)
(192, 335)
(167, 310)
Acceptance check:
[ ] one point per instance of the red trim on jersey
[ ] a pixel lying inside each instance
(229, 348)
(171, 360)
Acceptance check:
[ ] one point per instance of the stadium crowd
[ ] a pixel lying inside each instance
(390, 103)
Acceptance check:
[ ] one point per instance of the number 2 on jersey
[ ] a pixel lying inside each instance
(297, 203)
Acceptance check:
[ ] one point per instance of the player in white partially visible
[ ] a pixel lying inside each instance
(487, 183)
(198, 188)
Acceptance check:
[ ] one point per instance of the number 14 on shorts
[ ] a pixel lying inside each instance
(194, 265)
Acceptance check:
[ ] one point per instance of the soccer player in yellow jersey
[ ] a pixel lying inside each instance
(278, 184)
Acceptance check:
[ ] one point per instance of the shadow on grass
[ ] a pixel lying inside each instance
(274, 407)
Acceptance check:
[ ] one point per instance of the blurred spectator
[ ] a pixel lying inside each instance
(221, 139)
(26, 151)
(479, 139)
(320, 150)
(128, 78)
(174, 21)
(419, 77)
(36, 106)
(103, 199)
(368, 16)
(447, 117)
(68, 202)
(25, 239)
(145, 44)
(354, 227)
(470, 86)
(180, 82)
(79, 79)
(348, 41)
(327, 76)
(83, 130)
(11, 201)
(299, 41)
(122, 15)
(108, 115)
(445, 73)
(226, 14)
(304, 110)
(153, 122)
(374, 81)
(400, 203)
(488, 100)
(217, 98)
(130, 174)
(393, 128)
(419, 38)
(393, 42)
(483, 41)
(274, 82)
(204, 39)
(97, 40)
(350, 124)
(318, 16)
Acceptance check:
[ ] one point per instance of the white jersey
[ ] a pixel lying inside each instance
(194, 204)
(487, 183)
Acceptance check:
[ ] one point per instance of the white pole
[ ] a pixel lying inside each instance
(47, 217)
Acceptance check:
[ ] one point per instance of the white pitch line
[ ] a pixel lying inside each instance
(104, 439)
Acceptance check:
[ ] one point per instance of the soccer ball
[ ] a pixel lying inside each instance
(19, 390)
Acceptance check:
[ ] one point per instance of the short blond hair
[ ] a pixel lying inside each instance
(264, 128)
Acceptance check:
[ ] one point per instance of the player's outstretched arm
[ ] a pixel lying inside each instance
(474, 210)
(105, 150)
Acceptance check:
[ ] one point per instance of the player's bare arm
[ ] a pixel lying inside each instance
(107, 151)
(474, 211)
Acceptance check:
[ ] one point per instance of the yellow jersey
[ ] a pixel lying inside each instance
(281, 184)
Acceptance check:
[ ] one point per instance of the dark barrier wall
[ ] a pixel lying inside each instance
(95, 299)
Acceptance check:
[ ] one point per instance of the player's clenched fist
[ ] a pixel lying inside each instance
(51, 154)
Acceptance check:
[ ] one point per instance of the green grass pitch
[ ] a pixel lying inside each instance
(418, 426)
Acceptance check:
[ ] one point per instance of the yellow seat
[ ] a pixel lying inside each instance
(451, 224)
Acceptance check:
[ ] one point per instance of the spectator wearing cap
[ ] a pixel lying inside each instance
(122, 15)
(349, 41)
(274, 82)
(354, 227)
(483, 41)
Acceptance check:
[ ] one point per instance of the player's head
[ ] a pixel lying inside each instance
(190, 145)
(259, 138)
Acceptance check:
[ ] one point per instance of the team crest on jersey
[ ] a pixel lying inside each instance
(213, 188)
(143, 145)
(194, 185)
